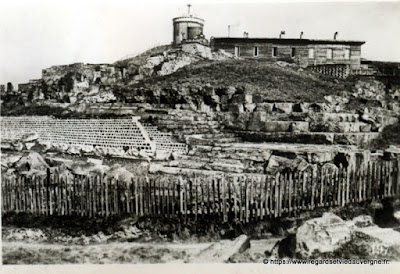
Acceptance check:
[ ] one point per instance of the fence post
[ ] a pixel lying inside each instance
(368, 183)
(39, 188)
(180, 197)
(374, 181)
(90, 192)
(160, 210)
(23, 191)
(276, 198)
(196, 200)
(284, 192)
(381, 180)
(12, 192)
(153, 189)
(240, 199)
(48, 205)
(3, 194)
(349, 174)
(266, 181)
(340, 185)
(251, 200)
(95, 196)
(398, 177)
(167, 184)
(225, 217)
(360, 182)
(106, 196)
(246, 197)
(390, 177)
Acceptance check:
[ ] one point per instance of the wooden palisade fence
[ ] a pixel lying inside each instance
(244, 198)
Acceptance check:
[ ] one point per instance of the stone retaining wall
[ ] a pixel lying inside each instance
(123, 134)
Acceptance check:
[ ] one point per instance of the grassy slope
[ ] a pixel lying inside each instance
(389, 136)
(274, 82)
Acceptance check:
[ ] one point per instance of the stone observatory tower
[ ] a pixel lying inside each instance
(187, 28)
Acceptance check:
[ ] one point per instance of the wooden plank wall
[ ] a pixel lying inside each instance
(241, 197)
(284, 52)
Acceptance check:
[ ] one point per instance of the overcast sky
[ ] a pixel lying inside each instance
(39, 34)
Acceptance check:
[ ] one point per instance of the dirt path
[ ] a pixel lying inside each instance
(38, 253)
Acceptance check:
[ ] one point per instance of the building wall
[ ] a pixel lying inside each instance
(189, 30)
(265, 51)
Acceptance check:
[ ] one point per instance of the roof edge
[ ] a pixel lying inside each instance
(303, 40)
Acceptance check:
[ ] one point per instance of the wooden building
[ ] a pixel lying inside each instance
(320, 54)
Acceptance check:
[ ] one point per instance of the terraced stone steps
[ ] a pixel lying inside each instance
(158, 168)
(212, 142)
(344, 138)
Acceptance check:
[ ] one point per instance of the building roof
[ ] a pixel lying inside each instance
(188, 18)
(289, 41)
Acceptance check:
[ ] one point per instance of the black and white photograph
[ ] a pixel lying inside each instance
(187, 133)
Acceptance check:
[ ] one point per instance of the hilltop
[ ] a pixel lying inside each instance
(279, 81)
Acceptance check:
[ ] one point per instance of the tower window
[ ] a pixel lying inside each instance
(310, 53)
(293, 53)
(329, 53)
(255, 51)
(346, 54)
(274, 51)
(237, 51)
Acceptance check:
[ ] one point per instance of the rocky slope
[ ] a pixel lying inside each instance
(226, 109)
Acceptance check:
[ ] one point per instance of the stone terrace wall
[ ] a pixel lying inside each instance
(121, 134)
(164, 140)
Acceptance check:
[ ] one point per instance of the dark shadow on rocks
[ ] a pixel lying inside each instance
(384, 216)
(286, 248)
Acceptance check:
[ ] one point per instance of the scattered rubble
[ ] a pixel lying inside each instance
(221, 251)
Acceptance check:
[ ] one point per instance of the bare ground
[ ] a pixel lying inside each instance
(40, 253)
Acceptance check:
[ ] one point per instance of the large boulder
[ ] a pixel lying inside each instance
(278, 126)
(88, 168)
(300, 126)
(162, 155)
(329, 168)
(175, 64)
(279, 163)
(9, 160)
(372, 241)
(324, 234)
(361, 221)
(32, 161)
(29, 137)
(119, 173)
(283, 107)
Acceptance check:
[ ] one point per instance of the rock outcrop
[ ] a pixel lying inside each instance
(324, 234)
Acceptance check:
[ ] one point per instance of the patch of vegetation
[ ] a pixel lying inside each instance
(15, 109)
(30, 110)
(277, 83)
(70, 225)
(157, 228)
(390, 135)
